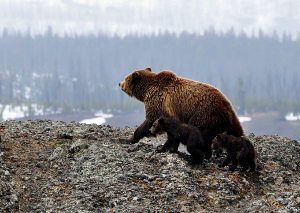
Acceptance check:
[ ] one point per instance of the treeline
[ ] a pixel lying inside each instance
(83, 72)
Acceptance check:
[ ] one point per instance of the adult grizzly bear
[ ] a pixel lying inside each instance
(239, 151)
(192, 102)
(179, 132)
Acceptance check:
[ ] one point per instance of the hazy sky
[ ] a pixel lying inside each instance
(151, 16)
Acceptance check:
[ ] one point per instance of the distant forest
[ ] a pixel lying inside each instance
(83, 72)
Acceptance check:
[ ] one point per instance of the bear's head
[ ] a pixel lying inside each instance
(218, 141)
(137, 84)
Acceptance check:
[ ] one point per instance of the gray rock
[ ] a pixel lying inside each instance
(78, 145)
(113, 175)
(56, 153)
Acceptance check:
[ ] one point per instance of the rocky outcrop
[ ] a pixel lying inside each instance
(48, 166)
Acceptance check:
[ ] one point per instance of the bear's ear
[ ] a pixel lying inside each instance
(225, 133)
(148, 69)
(136, 77)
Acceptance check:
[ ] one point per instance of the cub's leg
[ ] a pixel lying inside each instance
(174, 147)
(233, 166)
(252, 165)
(244, 164)
(226, 161)
(168, 144)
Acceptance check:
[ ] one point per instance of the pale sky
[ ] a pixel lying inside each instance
(151, 16)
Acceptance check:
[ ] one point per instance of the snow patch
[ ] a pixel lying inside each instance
(244, 119)
(99, 119)
(12, 112)
(292, 117)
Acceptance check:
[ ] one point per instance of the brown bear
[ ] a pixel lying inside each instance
(192, 102)
(180, 132)
(239, 151)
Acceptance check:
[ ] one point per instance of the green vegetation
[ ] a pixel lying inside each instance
(63, 143)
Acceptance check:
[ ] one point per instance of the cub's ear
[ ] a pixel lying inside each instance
(136, 77)
(161, 120)
(148, 69)
(225, 133)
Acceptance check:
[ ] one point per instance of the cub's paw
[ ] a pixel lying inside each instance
(232, 168)
(197, 166)
(173, 150)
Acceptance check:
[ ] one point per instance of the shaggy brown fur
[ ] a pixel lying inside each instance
(180, 132)
(239, 151)
(192, 102)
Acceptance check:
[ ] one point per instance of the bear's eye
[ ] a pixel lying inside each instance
(136, 77)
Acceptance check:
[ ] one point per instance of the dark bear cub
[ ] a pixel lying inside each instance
(239, 151)
(180, 132)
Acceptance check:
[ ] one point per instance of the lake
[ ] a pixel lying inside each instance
(266, 123)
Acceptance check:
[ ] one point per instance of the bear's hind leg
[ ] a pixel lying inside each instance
(207, 136)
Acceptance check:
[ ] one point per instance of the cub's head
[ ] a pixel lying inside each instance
(157, 126)
(135, 84)
(218, 141)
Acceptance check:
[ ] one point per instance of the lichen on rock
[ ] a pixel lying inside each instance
(72, 167)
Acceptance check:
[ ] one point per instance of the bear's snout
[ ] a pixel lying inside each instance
(121, 84)
(151, 130)
(214, 144)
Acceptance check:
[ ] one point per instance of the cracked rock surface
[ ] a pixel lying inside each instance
(48, 166)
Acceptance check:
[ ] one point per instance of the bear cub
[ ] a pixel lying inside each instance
(239, 151)
(177, 132)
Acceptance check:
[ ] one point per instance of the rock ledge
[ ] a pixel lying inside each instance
(48, 166)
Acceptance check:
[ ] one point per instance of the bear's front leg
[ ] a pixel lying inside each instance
(141, 131)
